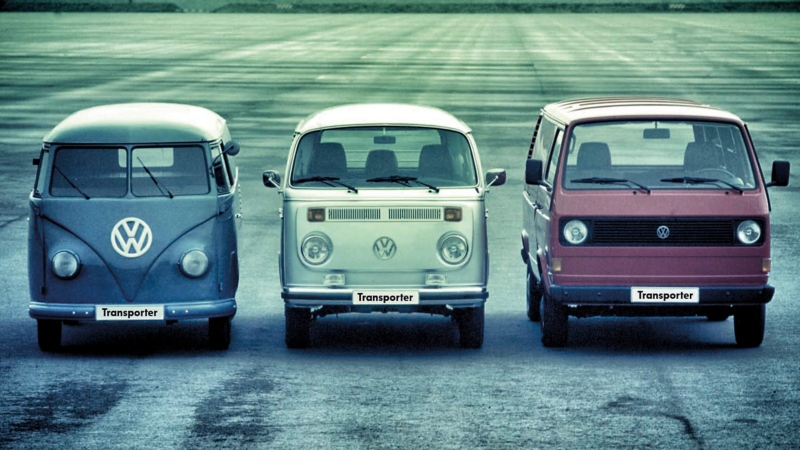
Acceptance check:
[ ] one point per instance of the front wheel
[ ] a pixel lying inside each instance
(555, 323)
(219, 332)
(748, 325)
(470, 326)
(533, 297)
(49, 334)
(298, 325)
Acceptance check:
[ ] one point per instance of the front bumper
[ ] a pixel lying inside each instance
(314, 297)
(175, 311)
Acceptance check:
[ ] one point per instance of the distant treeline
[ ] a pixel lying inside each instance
(425, 8)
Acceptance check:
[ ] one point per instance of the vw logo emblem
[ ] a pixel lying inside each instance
(662, 232)
(384, 248)
(131, 237)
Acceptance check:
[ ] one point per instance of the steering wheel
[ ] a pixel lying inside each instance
(725, 172)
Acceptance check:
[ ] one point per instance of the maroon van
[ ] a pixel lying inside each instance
(646, 207)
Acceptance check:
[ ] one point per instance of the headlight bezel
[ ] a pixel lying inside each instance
(741, 230)
(186, 270)
(324, 239)
(55, 264)
(567, 234)
(440, 248)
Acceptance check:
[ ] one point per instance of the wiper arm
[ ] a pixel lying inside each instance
(696, 180)
(404, 181)
(152, 177)
(326, 180)
(70, 182)
(601, 180)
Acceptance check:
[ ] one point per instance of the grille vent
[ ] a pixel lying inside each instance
(354, 214)
(643, 231)
(415, 213)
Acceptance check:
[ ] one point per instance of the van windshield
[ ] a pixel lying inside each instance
(660, 154)
(172, 170)
(383, 157)
(89, 172)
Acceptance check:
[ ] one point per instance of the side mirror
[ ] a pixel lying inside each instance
(271, 179)
(533, 171)
(780, 173)
(232, 148)
(496, 177)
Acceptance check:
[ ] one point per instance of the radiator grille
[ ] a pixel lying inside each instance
(415, 213)
(354, 214)
(644, 231)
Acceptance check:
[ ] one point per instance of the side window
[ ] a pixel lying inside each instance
(39, 187)
(220, 170)
(544, 140)
(550, 177)
(230, 165)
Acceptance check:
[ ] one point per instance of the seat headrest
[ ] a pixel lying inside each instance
(698, 156)
(328, 160)
(594, 155)
(436, 161)
(381, 163)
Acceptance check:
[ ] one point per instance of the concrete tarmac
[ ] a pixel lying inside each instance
(396, 381)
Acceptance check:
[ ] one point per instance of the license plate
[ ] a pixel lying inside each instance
(386, 298)
(114, 312)
(665, 295)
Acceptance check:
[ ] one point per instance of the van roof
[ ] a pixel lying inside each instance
(375, 114)
(138, 123)
(626, 107)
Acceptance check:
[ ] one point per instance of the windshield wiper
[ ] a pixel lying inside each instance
(327, 180)
(152, 177)
(601, 180)
(70, 182)
(696, 180)
(404, 181)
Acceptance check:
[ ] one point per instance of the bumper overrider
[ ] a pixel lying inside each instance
(175, 311)
(455, 297)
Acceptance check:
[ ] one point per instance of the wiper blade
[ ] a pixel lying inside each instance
(70, 182)
(404, 181)
(697, 180)
(601, 180)
(326, 180)
(152, 177)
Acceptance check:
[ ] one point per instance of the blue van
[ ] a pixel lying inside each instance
(135, 215)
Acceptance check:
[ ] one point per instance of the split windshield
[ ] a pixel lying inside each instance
(103, 172)
(658, 155)
(383, 157)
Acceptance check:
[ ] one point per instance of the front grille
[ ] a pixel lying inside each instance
(415, 213)
(354, 214)
(636, 231)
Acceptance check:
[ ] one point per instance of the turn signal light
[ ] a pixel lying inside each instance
(766, 265)
(555, 264)
(452, 214)
(316, 214)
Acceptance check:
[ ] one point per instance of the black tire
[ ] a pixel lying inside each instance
(470, 327)
(533, 298)
(555, 323)
(748, 325)
(49, 333)
(717, 317)
(298, 324)
(219, 332)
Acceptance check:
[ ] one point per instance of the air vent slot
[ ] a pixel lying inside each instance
(432, 214)
(354, 214)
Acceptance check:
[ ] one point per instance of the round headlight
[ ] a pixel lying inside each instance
(66, 264)
(575, 232)
(316, 249)
(194, 263)
(748, 232)
(453, 248)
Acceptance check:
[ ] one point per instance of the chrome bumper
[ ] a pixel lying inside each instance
(175, 311)
(313, 297)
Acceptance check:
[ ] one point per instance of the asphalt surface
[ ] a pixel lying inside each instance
(392, 381)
